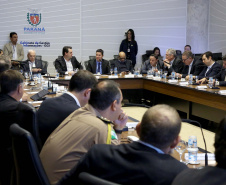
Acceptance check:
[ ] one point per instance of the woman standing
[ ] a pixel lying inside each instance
(129, 46)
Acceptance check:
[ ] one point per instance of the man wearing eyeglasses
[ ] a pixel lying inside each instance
(192, 66)
(123, 65)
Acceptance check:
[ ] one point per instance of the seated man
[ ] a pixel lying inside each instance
(101, 121)
(31, 64)
(11, 111)
(99, 65)
(211, 69)
(187, 48)
(209, 174)
(146, 161)
(192, 66)
(67, 63)
(122, 64)
(12, 49)
(54, 110)
(221, 76)
(172, 62)
(151, 64)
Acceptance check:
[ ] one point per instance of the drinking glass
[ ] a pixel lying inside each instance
(180, 148)
(111, 71)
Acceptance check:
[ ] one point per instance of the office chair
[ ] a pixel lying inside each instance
(38, 57)
(86, 64)
(92, 57)
(115, 57)
(29, 169)
(88, 179)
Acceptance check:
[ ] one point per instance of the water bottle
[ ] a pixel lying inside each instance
(39, 78)
(192, 149)
(190, 79)
(57, 74)
(161, 76)
(210, 82)
(173, 75)
(115, 71)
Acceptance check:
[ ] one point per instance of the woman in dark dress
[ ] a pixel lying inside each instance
(129, 46)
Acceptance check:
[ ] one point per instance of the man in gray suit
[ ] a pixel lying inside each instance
(12, 49)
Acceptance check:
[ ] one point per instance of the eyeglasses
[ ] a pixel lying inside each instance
(122, 58)
(184, 59)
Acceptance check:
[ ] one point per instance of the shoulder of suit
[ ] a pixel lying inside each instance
(105, 120)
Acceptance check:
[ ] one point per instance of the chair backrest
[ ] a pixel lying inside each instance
(92, 57)
(88, 179)
(115, 57)
(29, 169)
(86, 63)
(38, 57)
(149, 52)
(220, 62)
(178, 52)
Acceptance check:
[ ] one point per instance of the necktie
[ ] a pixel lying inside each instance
(98, 70)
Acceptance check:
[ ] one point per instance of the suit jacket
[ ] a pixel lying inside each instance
(115, 63)
(61, 66)
(196, 69)
(146, 66)
(214, 70)
(8, 51)
(38, 64)
(52, 112)
(130, 164)
(209, 175)
(177, 66)
(105, 66)
(221, 77)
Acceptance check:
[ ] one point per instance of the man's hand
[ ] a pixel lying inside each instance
(203, 80)
(166, 63)
(71, 73)
(36, 70)
(120, 123)
(179, 75)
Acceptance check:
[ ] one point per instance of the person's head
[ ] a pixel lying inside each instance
(106, 97)
(3, 66)
(11, 83)
(1, 52)
(153, 60)
(31, 54)
(67, 52)
(160, 127)
(187, 48)
(207, 58)
(170, 54)
(187, 57)
(224, 61)
(122, 56)
(81, 84)
(99, 54)
(220, 144)
(13, 37)
(130, 35)
(156, 51)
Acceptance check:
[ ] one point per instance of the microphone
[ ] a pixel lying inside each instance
(196, 122)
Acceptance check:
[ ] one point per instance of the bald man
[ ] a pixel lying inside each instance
(31, 64)
(146, 161)
(123, 65)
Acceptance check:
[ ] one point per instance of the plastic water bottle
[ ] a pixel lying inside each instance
(39, 78)
(173, 75)
(190, 79)
(115, 71)
(161, 73)
(210, 82)
(192, 149)
(57, 74)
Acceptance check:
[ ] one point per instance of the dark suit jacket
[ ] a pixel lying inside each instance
(214, 70)
(130, 164)
(221, 77)
(146, 66)
(11, 111)
(38, 64)
(196, 68)
(52, 112)
(115, 63)
(177, 66)
(105, 66)
(61, 66)
(209, 175)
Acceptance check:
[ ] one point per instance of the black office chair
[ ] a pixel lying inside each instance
(38, 57)
(88, 179)
(115, 57)
(92, 57)
(29, 169)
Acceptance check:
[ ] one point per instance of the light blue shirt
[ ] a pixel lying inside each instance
(151, 146)
(97, 62)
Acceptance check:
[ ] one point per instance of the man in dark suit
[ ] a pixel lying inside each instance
(191, 66)
(172, 63)
(31, 64)
(221, 76)
(153, 64)
(146, 161)
(11, 111)
(67, 63)
(54, 110)
(211, 69)
(209, 175)
(99, 65)
(122, 64)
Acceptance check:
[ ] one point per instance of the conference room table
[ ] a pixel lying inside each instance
(205, 103)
